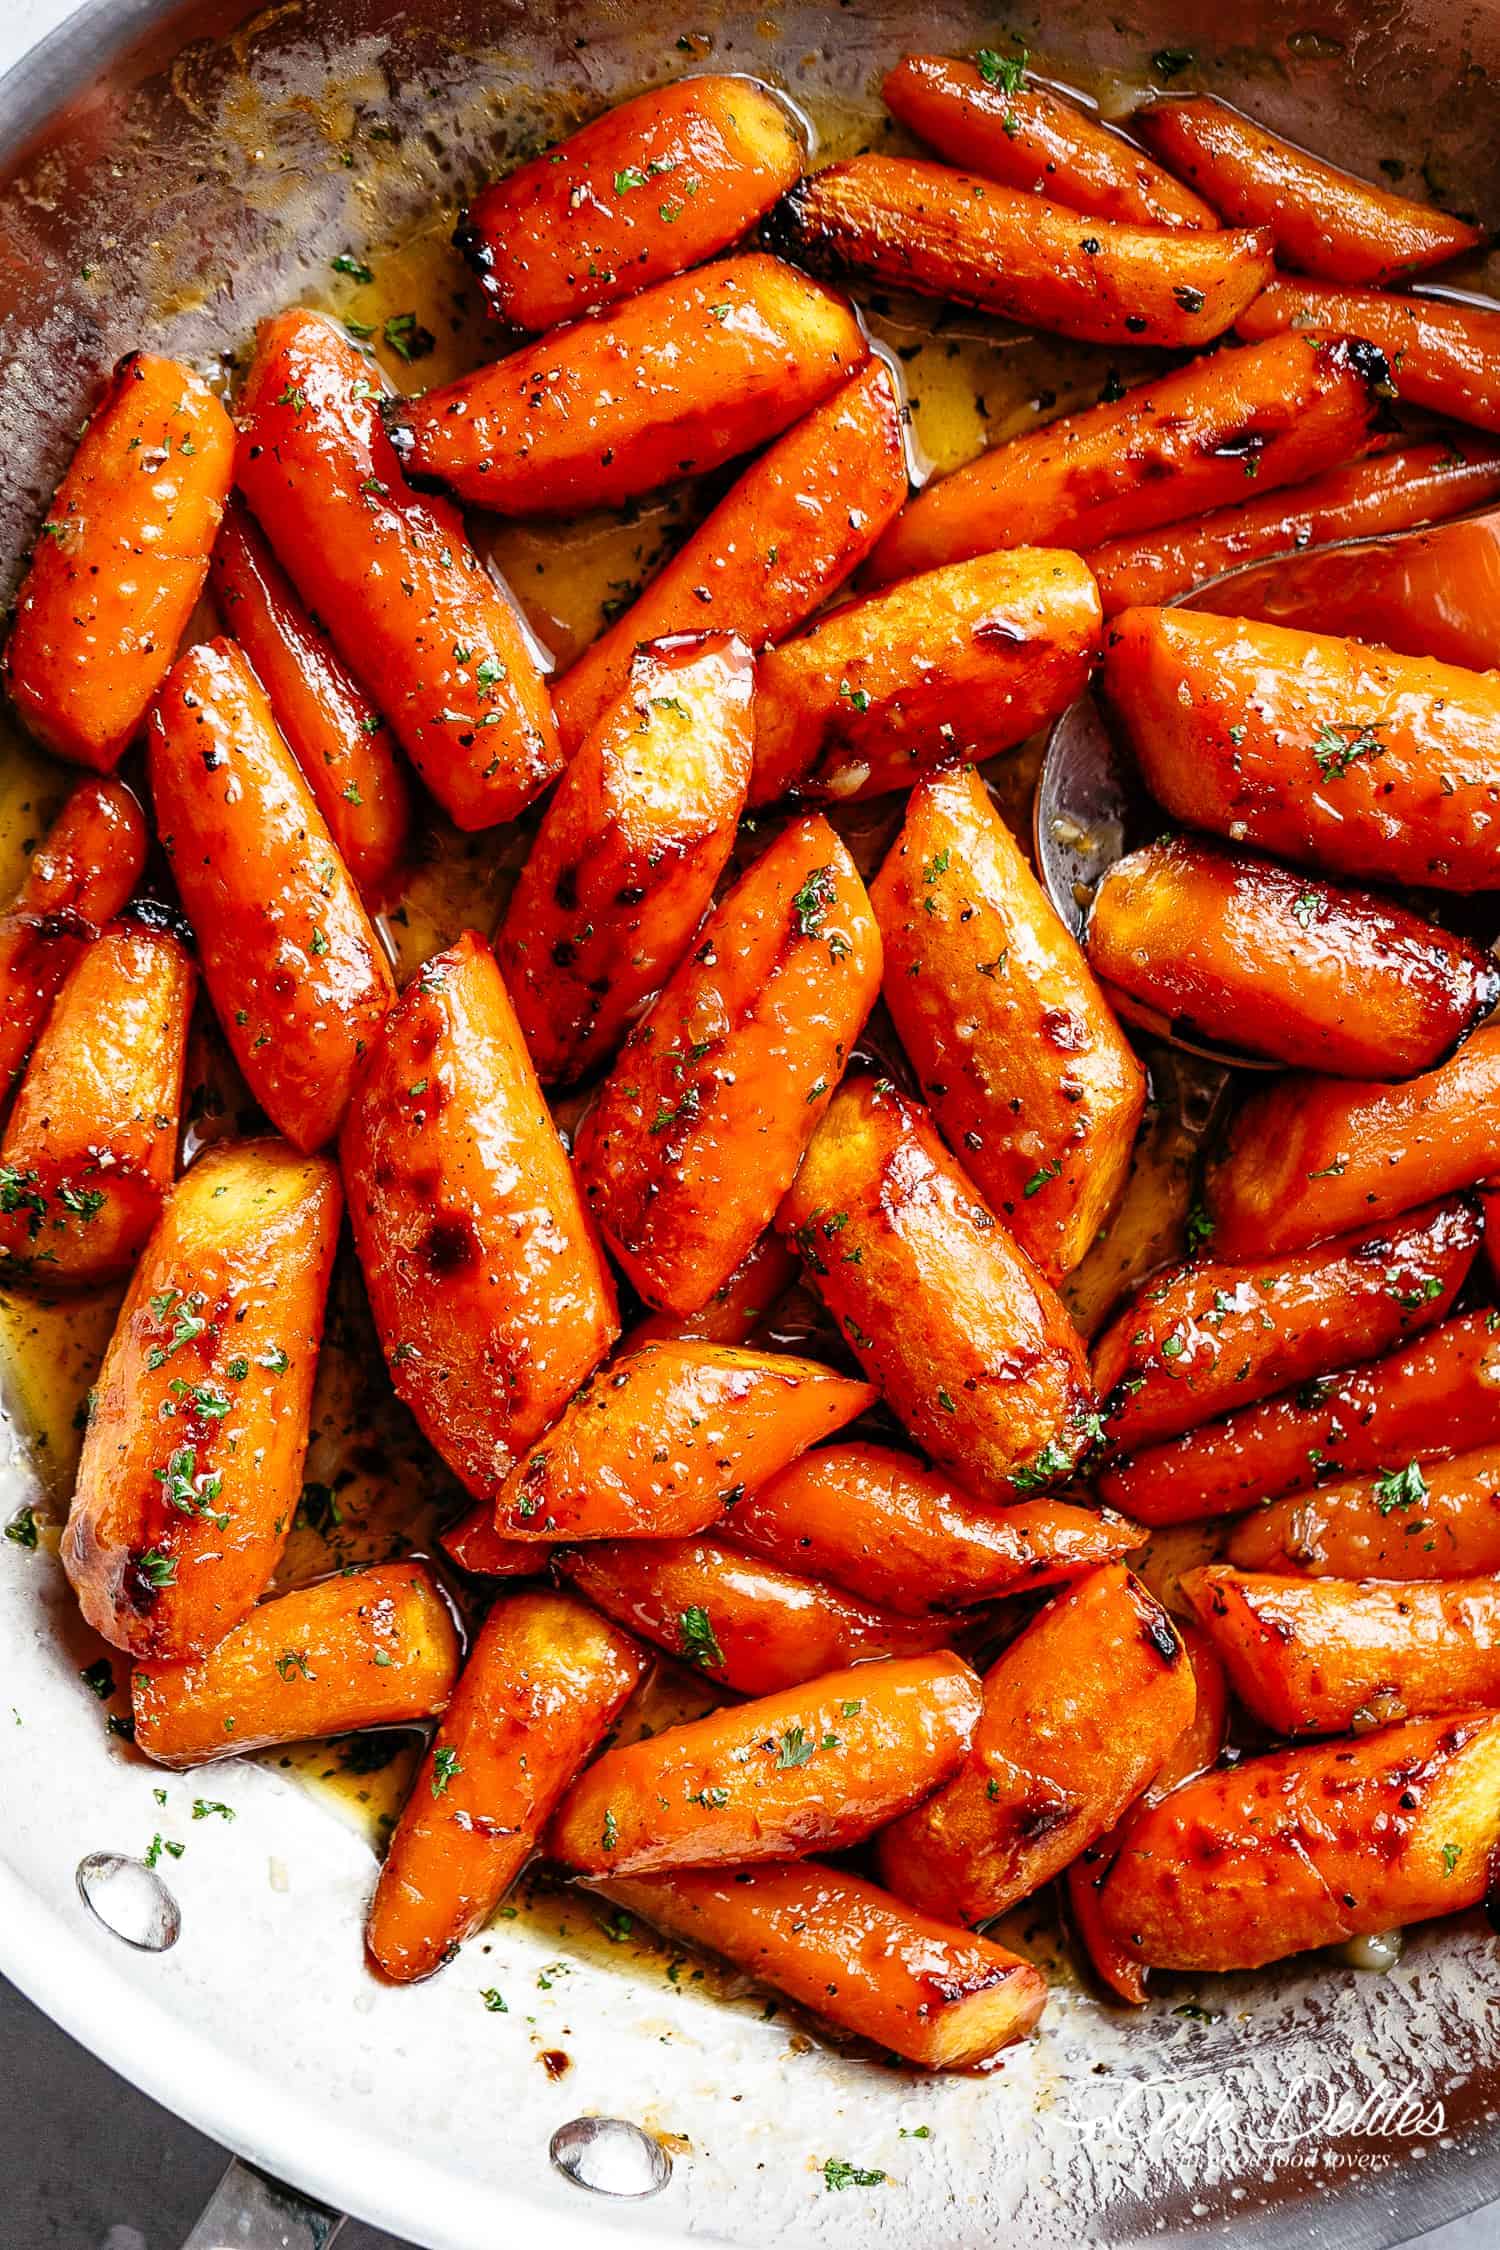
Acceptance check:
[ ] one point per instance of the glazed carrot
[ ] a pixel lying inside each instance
(1079, 1713)
(293, 967)
(813, 1768)
(949, 234)
(698, 1129)
(1312, 746)
(544, 1682)
(630, 847)
(658, 1444)
(971, 1348)
(120, 561)
(489, 1291)
(476, 1546)
(1172, 448)
(333, 730)
(91, 1146)
(903, 1535)
(652, 187)
(675, 382)
(1322, 220)
(366, 1648)
(1205, 1338)
(1311, 1846)
(412, 611)
(839, 1946)
(791, 530)
(959, 663)
(1443, 354)
(1030, 1077)
(1191, 936)
(1414, 1522)
(989, 118)
(738, 1308)
(192, 1457)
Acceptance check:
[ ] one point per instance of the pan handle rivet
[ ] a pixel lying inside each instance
(131, 1900)
(610, 2156)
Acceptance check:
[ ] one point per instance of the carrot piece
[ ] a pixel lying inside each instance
(959, 663)
(476, 1546)
(1322, 220)
(1079, 1713)
(792, 529)
(488, 1288)
(672, 383)
(698, 1129)
(1413, 1522)
(1443, 354)
(971, 1348)
(412, 611)
(120, 561)
(545, 1681)
(813, 1768)
(1030, 1077)
(293, 967)
(192, 1456)
(1174, 447)
(1311, 1846)
(839, 1946)
(738, 1308)
(652, 187)
(629, 850)
(1028, 137)
(658, 1444)
(333, 730)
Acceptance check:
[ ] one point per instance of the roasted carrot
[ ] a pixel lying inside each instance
(957, 664)
(1443, 353)
(738, 1308)
(791, 530)
(1030, 1077)
(412, 612)
(119, 561)
(1441, 1520)
(652, 187)
(811, 1769)
(698, 1129)
(949, 234)
(1079, 1713)
(544, 1682)
(366, 1648)
(971, 1348)
(192, 1457)
(672, 383)
(293, 967)
(476, 1546)
(629, 850)
(489, 1291)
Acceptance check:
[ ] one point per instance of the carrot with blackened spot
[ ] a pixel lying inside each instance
(1417, 1520)
(1443, 354)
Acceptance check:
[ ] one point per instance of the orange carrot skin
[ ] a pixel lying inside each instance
(476, 1546)
(295, 971)
(120, 561)
(673, 383)
(848, 1951)
(949, 234)
(1034, 1085)
(959, 663)
(1441, 1520)
(544, 1682)
(1241, 950)
(661, 1442)
(1323, 221)
(902, 1535)
(813, 1768)
(447, 662)
(93, 1135)
(1311, 1846)
(333, 730)
(192, 1458)
(365, 1648)
(970, 1346)
(630, 847)
(738, 1308)
(1034, 139)
(698, 1129)
(652, 187)
(488, 1287)
(1443, 356)
(797, 524)
(1078, 1715)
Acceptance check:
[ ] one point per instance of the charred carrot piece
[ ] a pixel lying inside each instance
(1438, 1520)
(476, 1546)
(545, 1681)
(119, 561)
(738, 1309)
(1443, 355)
